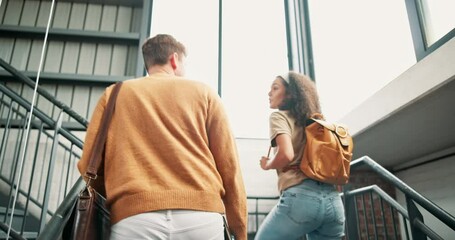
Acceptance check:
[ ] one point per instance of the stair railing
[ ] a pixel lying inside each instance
(357, 220)
(42, 92)
(49, 170)
(14, 113)
(371, 213)
(419, 230)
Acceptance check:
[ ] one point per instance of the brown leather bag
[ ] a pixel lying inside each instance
(327, 152)
(90, 218)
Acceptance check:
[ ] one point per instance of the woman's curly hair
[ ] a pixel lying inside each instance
(303, 100)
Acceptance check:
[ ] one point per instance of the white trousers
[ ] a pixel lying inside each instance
(170, 225)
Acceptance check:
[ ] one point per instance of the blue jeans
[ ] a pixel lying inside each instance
(310, 208)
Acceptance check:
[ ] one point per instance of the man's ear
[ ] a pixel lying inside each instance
(174, 59)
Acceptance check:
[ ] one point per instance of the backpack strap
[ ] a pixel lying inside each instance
(95, 157)
(340, 131)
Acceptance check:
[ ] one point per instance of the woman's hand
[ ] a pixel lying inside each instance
(283, 156)
(263, 162)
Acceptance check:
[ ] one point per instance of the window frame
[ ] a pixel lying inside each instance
(421, 48)
(298, 35)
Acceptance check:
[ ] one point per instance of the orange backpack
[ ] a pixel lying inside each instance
(328, 152)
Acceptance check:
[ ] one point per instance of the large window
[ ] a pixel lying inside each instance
(253, 52)
(195, 24)
(438, 19)
(357, 50)
(432, 24)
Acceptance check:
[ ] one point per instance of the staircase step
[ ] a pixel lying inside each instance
(26, 235)
(17, 212)
(18, 219)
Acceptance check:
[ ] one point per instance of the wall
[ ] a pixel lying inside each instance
(90, 45)
(405, 127)
(434, 181)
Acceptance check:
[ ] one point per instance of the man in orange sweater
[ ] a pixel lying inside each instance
(171, 165)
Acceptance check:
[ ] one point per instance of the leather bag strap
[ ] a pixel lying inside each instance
(100, 139)
(340, 131)
(327, 125)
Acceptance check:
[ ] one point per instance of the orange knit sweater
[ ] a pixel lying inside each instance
(169, 146)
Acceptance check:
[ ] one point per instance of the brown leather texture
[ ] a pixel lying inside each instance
(327, 152)
(90, 218)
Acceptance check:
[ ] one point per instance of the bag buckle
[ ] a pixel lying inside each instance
(90, 177)
(341, 131)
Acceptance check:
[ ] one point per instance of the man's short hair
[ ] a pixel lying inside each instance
(156, 50)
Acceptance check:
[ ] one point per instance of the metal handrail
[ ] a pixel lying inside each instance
(256, 213)
(46, 122)
(55, 226)
(431, 207)
(353, 222)
(382, 194)
(14, 234)
(38, 113)
(19, 76)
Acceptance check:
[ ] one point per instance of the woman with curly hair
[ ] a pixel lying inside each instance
(306, 207)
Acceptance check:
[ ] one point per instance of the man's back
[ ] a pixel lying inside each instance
(169, 149)
(166, 115)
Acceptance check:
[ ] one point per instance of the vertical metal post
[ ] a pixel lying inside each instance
(308, 60)
(394, 223)
(29, 191)
(298, 36)
(5, 136)
(415, 23)
(406, 226)
(220, 45)
(35, 91)
(351, 216)
(257, 214)
(287, 13)
(414, 213)
(50, 171)
(144, 32)
(365, 217)
(16, 168)
(383, 218)
(373, 216)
